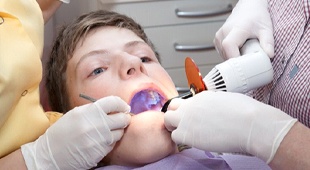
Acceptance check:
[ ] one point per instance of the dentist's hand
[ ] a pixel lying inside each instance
(228, 122)
(81, 138)
(249, 19)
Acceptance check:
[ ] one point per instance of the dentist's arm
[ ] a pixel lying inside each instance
(293, 152)
(250, 19)
(49, 7)
(236, 123)
(14, 160)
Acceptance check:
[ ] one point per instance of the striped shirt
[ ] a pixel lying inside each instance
(290, 89)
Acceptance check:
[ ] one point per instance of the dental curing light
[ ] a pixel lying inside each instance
(251, 70)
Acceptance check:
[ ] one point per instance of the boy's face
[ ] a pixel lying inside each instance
(115, 61)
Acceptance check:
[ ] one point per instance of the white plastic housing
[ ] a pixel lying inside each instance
(249, 71)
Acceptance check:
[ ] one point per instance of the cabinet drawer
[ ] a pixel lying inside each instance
(158, 13)
(202, 34)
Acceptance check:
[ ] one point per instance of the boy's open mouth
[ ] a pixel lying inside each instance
(146, 100)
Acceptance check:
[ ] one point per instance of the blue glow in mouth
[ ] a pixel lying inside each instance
(146, 100)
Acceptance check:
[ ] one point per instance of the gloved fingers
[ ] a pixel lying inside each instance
(218, 41)
(172, 119)
(175, 103)
(266, 40)
(179, 137)
(117, 134)
(106, 124)
(112, 104)
(226, 45)
(220, 35)
(118, 120)
(233, 42)
(114, 136)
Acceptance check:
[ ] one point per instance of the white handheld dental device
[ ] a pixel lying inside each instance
(241, 74)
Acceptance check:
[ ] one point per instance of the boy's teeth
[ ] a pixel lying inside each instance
(146, 100)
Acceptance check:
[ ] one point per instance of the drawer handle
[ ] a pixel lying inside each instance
(225, 10)
(179, 47)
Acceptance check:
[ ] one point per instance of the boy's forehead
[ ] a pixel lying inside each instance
(109, 36)
(115, 32)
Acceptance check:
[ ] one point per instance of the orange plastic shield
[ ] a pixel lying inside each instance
(193, 76)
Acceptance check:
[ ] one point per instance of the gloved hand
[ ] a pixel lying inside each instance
(228, 122)
(249, 19)
(81, 138)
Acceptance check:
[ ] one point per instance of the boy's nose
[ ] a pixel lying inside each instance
(131, 71)
(131, 66)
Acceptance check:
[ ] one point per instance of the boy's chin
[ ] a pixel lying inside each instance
(148, 123)
(145, 140)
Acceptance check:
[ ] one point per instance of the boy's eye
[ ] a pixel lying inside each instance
(145, 59)
(97, 71)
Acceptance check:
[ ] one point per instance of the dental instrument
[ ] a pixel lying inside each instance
(87, 97)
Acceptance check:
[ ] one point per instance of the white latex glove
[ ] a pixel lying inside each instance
(81, 138)
(228, 122)
(249, 19)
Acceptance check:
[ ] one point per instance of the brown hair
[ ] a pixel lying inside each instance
(65, 44)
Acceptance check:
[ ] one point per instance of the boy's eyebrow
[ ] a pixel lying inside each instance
(91, 53)
(95, 52)
(135, 43)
